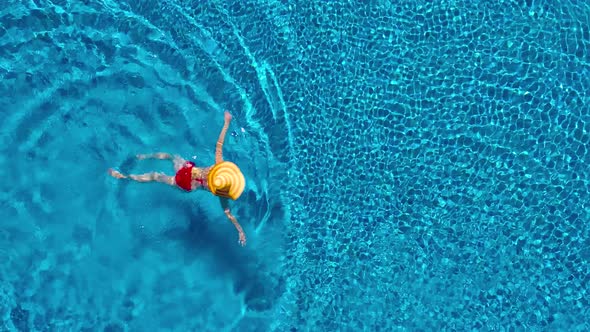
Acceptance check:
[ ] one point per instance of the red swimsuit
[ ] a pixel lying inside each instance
(184, 178)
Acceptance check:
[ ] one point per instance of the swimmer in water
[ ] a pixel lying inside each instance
(223, 179)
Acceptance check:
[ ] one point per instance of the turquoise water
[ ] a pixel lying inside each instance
(409, 166)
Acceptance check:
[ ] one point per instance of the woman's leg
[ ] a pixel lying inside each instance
(147, 177)
(157, 155)
(177, 160)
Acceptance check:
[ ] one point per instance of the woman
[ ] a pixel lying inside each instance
(224, 179)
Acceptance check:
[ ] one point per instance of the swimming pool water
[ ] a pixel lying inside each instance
(410, 165)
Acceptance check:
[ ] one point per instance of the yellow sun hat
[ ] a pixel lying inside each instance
(226, 180)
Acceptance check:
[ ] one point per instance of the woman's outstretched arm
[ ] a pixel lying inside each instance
(219, 146)
(225, 206)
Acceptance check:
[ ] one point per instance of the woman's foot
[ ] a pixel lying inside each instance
(116, 174)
